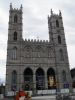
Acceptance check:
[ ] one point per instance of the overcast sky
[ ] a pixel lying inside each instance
(35, 25)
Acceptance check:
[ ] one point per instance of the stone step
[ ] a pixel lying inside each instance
(44, 98)
(41, 98)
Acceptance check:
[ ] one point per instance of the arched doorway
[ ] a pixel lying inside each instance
(40, 80)
(28, 79)
(51, 78)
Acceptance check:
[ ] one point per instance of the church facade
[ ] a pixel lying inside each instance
(34, 65)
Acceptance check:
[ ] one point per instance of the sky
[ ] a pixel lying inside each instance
(35, 24)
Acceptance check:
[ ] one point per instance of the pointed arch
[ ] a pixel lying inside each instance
(28, 79)
(15, 18)
(38, 49)
(59, 39)
(28, 48)
(57, 23)
(14, 80)
(51, 78)
(15, 36)
(40, 79)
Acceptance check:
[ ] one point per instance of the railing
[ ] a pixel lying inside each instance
(45, 92)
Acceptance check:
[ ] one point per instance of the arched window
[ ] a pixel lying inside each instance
(51, 78)
(28, 79)
(15, 19)
(57, 23)
(39, 51)
(14, 53)
(59, 39)
(15, 36)
(64, 76)
(14, 80)
(61, 55)
(50, 52)
(40, 80)
(28, 51)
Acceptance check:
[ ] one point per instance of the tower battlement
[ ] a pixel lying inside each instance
(54, 14)
(36, 41)
(15, 9)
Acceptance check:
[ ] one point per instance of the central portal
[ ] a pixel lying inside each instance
(40, 80)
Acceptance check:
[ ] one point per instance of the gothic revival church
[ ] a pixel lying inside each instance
(37, 65)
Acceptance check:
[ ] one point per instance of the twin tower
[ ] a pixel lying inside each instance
(36, 65)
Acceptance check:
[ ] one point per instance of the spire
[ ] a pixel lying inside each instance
(60, 13)
(21, 7)
(48, 16)
(51, 12)
(10, 6)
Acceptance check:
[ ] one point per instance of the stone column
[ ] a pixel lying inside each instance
(22, 80)
(34, 82)
(46, 85)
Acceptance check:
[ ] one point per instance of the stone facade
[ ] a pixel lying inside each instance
(36, 64)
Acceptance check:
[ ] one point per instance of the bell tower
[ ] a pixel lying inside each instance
(14, 47)
(56, 29)
(15, 24)
(57, 38)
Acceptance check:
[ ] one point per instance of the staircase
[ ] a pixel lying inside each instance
(51, 97)
(36, 98)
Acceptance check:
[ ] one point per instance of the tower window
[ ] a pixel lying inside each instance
(15, 19)
(57, 23)
(14, 53)
(59, 39)
(61, 55)
(64, 76)
(15, 35)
